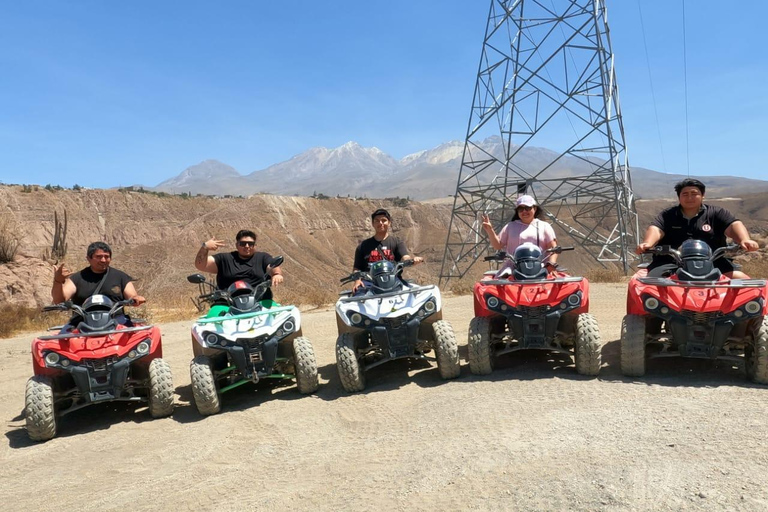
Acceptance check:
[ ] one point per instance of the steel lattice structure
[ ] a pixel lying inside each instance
(546, 80)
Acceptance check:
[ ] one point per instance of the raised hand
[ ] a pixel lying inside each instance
(214, 244)
(61, 273)
(487, 221)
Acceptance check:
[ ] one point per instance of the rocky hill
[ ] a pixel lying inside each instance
(155, 238)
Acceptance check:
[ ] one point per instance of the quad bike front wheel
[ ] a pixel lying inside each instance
(757, 356)
(588, 347)
(446, 350)
(204, 390)
(633, 346)
(350, 372)
(39, 410)
(479, 346)
(160, 389)
(306, 365)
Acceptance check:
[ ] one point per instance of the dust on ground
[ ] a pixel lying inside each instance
(534, 435)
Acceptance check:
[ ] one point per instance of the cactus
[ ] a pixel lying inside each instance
(59, 249)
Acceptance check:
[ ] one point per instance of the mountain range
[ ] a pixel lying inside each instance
(358, 171)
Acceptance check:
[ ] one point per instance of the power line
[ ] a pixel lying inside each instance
(653, 92)
(685, 74)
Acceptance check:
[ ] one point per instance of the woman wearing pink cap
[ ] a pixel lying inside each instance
(524, 227)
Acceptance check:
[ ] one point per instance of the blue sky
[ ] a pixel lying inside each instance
(107, 93)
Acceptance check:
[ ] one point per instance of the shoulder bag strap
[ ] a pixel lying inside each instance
(101, 283)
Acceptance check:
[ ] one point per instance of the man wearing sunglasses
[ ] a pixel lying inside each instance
(244, 264)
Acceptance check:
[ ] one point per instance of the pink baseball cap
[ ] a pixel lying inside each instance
(525, 201)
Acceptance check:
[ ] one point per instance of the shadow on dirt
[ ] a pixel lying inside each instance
(240, 398)
(676, 371)
(89, 419)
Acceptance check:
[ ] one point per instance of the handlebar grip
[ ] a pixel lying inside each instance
(490, 258)
(566, 248)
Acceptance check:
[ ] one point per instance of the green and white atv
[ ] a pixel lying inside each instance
(244, 339)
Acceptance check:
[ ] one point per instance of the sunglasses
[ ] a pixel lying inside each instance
(525, 208)
(246, 244)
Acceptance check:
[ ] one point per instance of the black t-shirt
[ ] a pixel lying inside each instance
(231, 267)
(87, 281)
(708, 225)
(371, 250)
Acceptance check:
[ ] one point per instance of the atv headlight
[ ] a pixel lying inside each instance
(752, 307)
(289, 326)
(356, 318)
(64, 362)
(651, 303)
(493, 302)
(132, 354)
(430, 306)
(211, 338)
(52, 358)
(143, 348)
(574, 299)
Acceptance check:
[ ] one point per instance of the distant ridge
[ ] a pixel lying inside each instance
(357, 171)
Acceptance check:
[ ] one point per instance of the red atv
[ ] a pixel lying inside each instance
(523, 307)
(94, 359)
(689, 309)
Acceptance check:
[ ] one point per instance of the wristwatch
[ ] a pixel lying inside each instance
(203, 244)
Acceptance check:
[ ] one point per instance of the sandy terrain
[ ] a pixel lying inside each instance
(532, 436)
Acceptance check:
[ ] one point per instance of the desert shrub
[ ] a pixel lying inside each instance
(15, 318)
(10, 238)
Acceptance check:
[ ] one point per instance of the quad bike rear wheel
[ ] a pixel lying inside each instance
(588, 347)
(306, 365)
(351, 374)
(446, 350)
(39, 409)
(633, 345)
(479, 346)
(160, 389)
(757, 356)
(204, 390)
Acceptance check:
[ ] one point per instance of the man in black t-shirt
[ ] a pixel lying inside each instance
(243, 264)
(381, 246)
(97, 278)
(692, 219)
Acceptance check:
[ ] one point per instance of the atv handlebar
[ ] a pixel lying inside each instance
(502, 255)
(359, 274)
(67, 305)
(667, 250)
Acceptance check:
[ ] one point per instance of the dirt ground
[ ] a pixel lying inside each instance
(532, 436)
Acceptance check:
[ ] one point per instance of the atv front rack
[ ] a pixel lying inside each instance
(733, 283)
(414, 290)
(95, 334)
(244, 315)
(533, 281)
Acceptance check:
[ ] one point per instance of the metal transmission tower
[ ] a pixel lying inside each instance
(545, 80)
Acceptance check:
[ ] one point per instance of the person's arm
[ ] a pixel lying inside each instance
(203, 261)
(129, 292)
(63, 288)
(402, 251)
(652, 236)
(274, 272)
(738, 232)
(492, 237)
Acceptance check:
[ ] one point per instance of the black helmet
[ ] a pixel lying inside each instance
(527, 252)
(383, 274)
(96, 310)
(243, 299)
(695, 249)
(528, 264)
